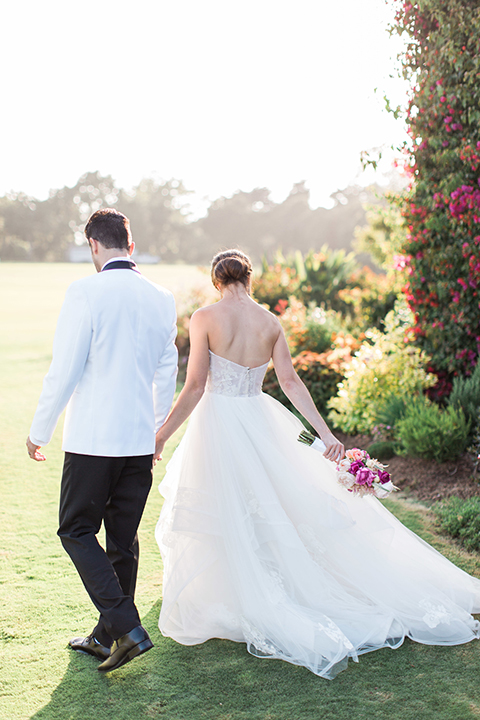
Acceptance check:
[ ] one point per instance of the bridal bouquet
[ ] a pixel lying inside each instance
(357, 472)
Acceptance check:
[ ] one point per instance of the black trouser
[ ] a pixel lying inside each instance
(115, 490)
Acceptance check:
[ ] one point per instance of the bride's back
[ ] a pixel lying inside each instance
(238, 328)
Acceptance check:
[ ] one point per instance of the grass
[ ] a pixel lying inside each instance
(43, 604)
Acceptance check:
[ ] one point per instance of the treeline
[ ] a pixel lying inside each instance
(36, 231)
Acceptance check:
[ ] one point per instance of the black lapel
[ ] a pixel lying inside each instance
(121, 265)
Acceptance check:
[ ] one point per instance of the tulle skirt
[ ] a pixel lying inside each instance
(260, 545)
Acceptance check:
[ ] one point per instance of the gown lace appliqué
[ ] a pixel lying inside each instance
(260, 545)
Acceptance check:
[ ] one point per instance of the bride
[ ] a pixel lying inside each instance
(260, 544)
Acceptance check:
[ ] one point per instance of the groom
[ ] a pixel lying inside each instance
(115, 364)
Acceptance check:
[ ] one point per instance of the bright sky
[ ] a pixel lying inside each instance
(223, 94)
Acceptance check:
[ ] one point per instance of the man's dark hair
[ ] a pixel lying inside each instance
(110, 228)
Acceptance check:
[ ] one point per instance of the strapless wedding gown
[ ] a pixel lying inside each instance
(261, 545)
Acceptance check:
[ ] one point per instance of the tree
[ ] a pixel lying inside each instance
(157, 213)
(43, 230)
(242, 221)
(255, 224)
(158, 210)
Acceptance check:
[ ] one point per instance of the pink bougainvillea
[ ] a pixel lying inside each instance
(441, 256)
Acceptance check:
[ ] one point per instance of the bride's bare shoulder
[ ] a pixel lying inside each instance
(203, 311)
(268, 315)
(201, 316)
(251, 309)
(206, 315)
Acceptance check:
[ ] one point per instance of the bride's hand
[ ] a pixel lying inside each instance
(334, 451)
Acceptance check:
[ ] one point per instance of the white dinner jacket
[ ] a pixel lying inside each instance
(114, 363)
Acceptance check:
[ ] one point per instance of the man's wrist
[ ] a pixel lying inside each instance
(36, 441)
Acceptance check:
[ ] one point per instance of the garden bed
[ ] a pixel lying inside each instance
(427, 480)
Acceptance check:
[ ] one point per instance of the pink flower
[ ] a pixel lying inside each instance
(384, 476)
(400, 261)
(365, 477)
(355, 454)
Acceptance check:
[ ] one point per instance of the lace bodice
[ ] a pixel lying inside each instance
(226, 377)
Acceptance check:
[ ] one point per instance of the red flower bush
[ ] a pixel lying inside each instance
(441, 255)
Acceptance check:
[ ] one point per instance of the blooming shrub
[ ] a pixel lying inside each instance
(341, 351)
(328, 279)
(368, 298)
(386, 364)
(276, 284)
(320, 380)
(309, 329)
(441, 255)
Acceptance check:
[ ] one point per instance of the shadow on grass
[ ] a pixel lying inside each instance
(219, 680)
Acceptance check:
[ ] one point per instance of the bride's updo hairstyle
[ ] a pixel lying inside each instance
(231, 266)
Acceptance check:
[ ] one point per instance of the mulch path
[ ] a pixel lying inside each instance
(427, 480)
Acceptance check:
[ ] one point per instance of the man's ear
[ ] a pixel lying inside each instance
(93, 245)
(131, 248)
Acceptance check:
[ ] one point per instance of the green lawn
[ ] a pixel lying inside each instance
(43, 604)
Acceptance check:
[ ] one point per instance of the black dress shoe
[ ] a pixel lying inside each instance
(127, 647)
(91, 646)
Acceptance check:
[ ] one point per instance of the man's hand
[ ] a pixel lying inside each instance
(33, 451)
(159, 445)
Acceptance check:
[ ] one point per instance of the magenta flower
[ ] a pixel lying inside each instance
(355, 466)
(384, 476)
(365, 477)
